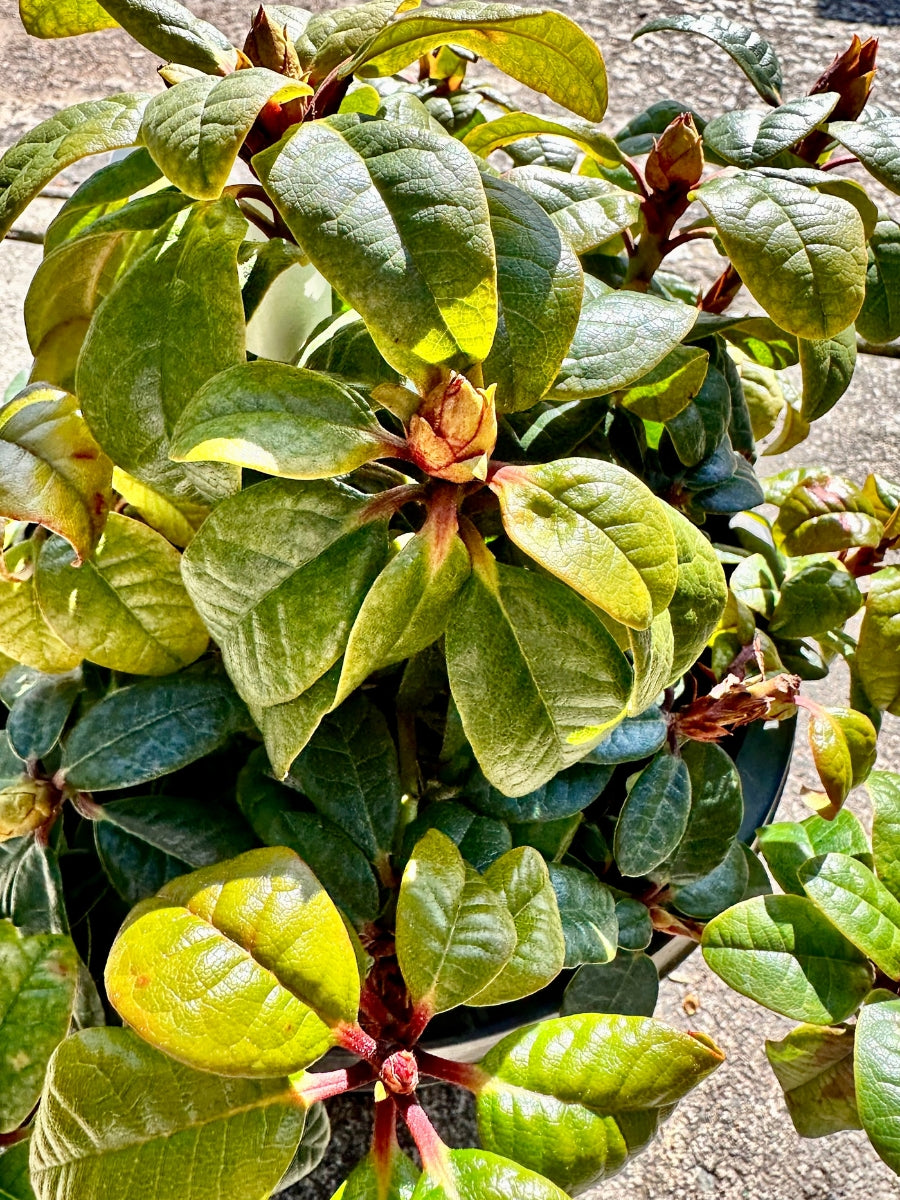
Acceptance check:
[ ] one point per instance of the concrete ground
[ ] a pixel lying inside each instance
(732, 1140)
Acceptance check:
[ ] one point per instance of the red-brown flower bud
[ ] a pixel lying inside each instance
(268, 45)
(851, 75)
(676, 160)
(454, 430)
(24, 806)
(400, 1073)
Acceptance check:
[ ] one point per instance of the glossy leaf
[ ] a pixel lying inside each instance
(279, 419)
(747, 138)
(857, 904)
(521, 879)
(825, 512)
(52, 472)
(25, 635)
(629, 985)
(571, 1096)
(635, 925)
(817, 598)
(349, 772)
(539, 291)
(827, 368)
(31, 886)
(717, 809)
(177, 521)
(370, 1181)
(139, 366)
(407, 607)
(100, 194)
(711, 894)
(815, 1069)
(481, 840)
(588, 913)
(879, 317)
(635, 738)
(126, 608)
(150, 728)
(752, 53)
(784, 954)
(296, 586)
(91, 127)
(52, 19)
(480, 1175)
(287, 728)
(169, 30)
(654, 816)
(37, 718)
(115, 1110)
(515, 128)
(667, 390)
(534, 674)
(842, 742)
(454, 933)
(619, 546)
(396, 191)
(802, 258)
(878, 651)
(587, 211)
(224, 968)
(567, 793)
(195, 129)
(884, 790)
(876, 143)
(542, 49)
(15, 1176)
(876, 1060)
(620, 336)
(37, 992)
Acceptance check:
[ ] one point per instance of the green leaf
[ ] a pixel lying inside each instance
(635, 925)
(37, 718)
(116, 1110)
(652, 653)
(296, 584)
(654, 816)
(552, 838)
(145, 841)
(195, 129)
(31, 886)
(286, 728)
(717, 809)
(52, 19)
(102, 192)
(668, 389)
(878, 651)
(815, 1069)
(327, 39)
(52, 472)
(274, 813)
(752, 53)
(700, 593)
(455, 934)
(15, 1176)
(827, 368)
(814, 600)
(126, 608)
(176, 521)
(371, 1180)
(635, 738)
(279, 419)
(514, 127)
(25, 635)
(224, 968)
(783, 953)
(37, 992)
(748, 138)
(542, 49)
(879, 317)
(619, 338)
(351, 354)
(395, 193)
(711, 894)
(804, 262)
(876, 143)
(588, 913)
(140, 365)
(624, 558)
(311, 1151)
(698, 430)
(876, 1063)
(570, 1096)
(786, 845)
(481, 840)
(825, 512)
(150, 728)
(91, 127)
(539, 290)
(567, 793)
(521, 879)
(884, 791)
(478, 1175)
(349, 772)
(629, 986)
(407, 607)
(174, 34)
(534, 673)
(842, 742)
(753, 583)
(587, 211)
(857, 904)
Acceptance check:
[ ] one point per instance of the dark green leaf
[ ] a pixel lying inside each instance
(879, 317)
(654, 816)
(15, 1177)
(827, 368)
(567, 793)
(588, 912)
(748, 138)
(635, 925)
(717, 809)
(629, 985)
(725, 885)
(635, 738)
(37, 718)
(814, 600)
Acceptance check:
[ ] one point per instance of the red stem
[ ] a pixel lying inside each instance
(357, 1041)
(467, 1075)
(322, 1085)
(845, 161)
(428, 1142)
(384, 1135)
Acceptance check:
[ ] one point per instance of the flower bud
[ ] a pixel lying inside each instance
(453, 432)
(851, 75)
(676, 160)
(24, 806)
(268, 45)
(400, 1073)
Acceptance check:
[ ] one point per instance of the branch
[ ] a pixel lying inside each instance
(888, 350)
(845, 161)
(322, 1085)
(467, 1075)
(428, 1141)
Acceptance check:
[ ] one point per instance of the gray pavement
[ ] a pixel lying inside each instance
(732, 1140)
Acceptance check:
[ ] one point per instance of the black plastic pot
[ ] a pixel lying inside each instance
(762, 755)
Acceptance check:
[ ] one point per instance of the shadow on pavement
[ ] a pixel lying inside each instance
(877, 12)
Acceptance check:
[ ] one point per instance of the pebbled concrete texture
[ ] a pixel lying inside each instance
(732, 1140)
